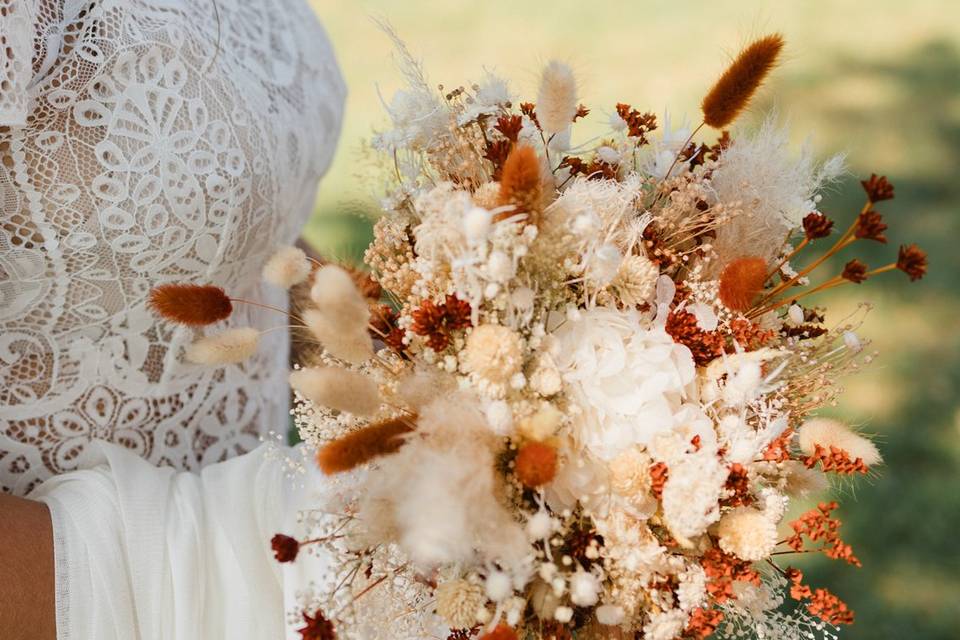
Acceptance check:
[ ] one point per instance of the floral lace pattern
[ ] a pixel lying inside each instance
(145, 142)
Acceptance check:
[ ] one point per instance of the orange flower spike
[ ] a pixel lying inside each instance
(741, 281)
(190, 304)
(520, 183)
(732, 92)
(536, 464)
(359, 447)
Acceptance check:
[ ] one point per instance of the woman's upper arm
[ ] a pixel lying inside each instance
(27, 609)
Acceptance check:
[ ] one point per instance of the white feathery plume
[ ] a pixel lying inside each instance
(557, 99)
(349, 342)
(228, 347)
(287, 267)
(338, 389)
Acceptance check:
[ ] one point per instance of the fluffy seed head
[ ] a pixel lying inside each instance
(520, 184)
(536, 464)
(287, 267)
(458, 602)
(741, 281)
(360, 447)
(347, 341)
(228, 347)
(733, 91)
(557, 99)
(190, 304)
(338, 389)
(336, 296)
(833, 433)
(747, 533)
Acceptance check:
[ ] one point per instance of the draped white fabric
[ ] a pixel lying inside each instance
(149, 553)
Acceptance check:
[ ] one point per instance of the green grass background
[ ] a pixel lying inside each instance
(879, 80)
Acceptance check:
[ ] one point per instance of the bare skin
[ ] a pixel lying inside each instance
(26, 570)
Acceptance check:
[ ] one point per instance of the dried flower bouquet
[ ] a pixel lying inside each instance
(573, 396)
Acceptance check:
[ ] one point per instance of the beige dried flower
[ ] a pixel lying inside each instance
(747, 533)
(493, 353)
(287, 267)
(557, 99)
(228, 347)
(636, 280)
(338, 389)
(458, 602)
(350, 343)
(630, 472)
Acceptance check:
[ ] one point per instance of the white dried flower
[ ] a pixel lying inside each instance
(350, 343)
(603, 266)
(833, 433)
(630, 472)
(458, 602)
(499, 586)
(691, 494)
(493, 353)
(563, 614)
(664, 625)
(229, 347)
(287, 267)
(476, 224)
(747, 533)
(610, 614)
(557, 99)
(338, 389)
(636, 280)
(584, 589)
(542, 424)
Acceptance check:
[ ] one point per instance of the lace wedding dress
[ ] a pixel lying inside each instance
(141, 142)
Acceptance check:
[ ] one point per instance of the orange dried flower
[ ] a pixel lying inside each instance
(520, 183)
(740, 282)
(723, 569)
(835, 459)
(359, 447)
(638, 124)
(536, 464)
(702, 623)
(823, 604)
(854, 271)
(750, 335)
(878, 188)
(818, 526)
(190, 304)
(705, 346)
(738, 484)
(501, 632)
(659, 472)
(779, 449)
(509, 127)
(732, 92)
(529, 109)
(912, 260)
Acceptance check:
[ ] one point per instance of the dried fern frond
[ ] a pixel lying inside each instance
(733, 91)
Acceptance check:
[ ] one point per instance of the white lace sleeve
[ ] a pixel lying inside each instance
(146, 552)
(16, 60)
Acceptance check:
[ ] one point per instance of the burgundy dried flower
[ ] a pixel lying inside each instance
(436, 321)
(190, 304)
(816, 225)
(509, 127)
(284, 547)
(854, 271)
(878, 188)
(317, 627)
(912, 260)
(870, 226)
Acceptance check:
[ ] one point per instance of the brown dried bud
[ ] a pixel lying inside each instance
(285, 548)
(816, 225)
(190, 304)
(870, 226)
(878, 188)
(854, 271)
(912, 260)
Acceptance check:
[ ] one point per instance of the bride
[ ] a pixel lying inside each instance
(142, 142)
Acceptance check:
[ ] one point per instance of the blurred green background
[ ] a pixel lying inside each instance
(879, 80)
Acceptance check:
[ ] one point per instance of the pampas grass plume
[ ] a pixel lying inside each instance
(833, 433)
(228, 347)
(349, 342)
(733, 90)
(360, 447)
(557, 99)
(520, 183)
(190, 304)
(338, 389)
(287, 267)
(742, 279)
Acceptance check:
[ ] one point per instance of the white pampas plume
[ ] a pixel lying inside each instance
(338, 299)
(833, 433)
(747, 533)
(287, 267)
(557, 99)
(349, 342)
(338, 389)
(229, 347)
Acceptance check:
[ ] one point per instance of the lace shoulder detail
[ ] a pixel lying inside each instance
(164, 140)
(17, 18)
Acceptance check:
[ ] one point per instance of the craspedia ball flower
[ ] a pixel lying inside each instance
(747, 533)
(458, 602)
(285, 548)
(741, 281)
(190, 304)
(536, 464)
(230, 347)
(493, 353)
